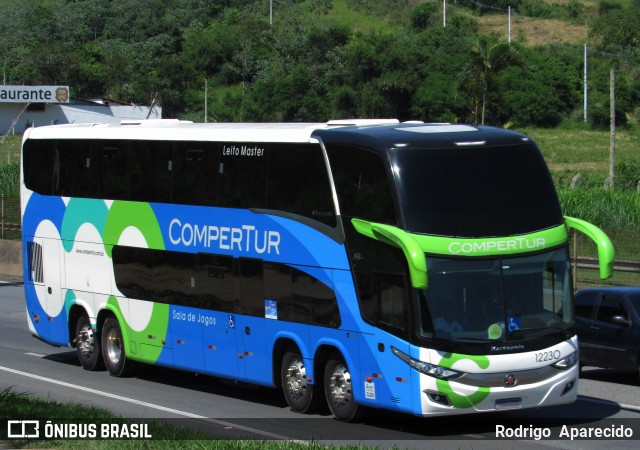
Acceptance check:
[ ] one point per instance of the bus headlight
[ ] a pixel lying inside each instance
(428, 369)
(567, 362)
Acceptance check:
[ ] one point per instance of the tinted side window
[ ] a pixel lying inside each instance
(151, 171)
(584, 303)
(134, 272)
(114, 171)
(610, 307)
(194, 173)
(250, 287)
(174, 278)
(74, 168)
(383, 301)
(38, 166)
(286, 177)
(223, 283)
(297, 297)
(242, 175)
(362, 183)
(215, 282)
(299, 182)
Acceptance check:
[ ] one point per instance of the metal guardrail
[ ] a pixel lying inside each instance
(618, 266)
(9, 217)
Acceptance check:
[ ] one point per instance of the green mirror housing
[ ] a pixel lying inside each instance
(606, 253)
(398, 238)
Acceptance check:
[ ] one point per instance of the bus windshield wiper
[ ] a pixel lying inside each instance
(565, 333)
(456, 339)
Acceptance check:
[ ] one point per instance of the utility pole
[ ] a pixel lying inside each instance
(585, 83)
(612, 153)
(509, 24)
(206, 98)
(270, 12)
(444, 13)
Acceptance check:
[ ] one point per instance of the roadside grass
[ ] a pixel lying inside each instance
(575, 149)
(10, 149)
(22, 406)
(588, 278)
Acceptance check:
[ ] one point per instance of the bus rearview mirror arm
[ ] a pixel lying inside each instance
(396, 237)
(606, 253)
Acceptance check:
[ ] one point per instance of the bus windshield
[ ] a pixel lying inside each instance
(476, 192)
(497, 300)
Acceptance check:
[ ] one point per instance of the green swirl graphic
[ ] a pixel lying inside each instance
(110, 224)
(69, 301)
(158, 325)
(80, 211)
(138, 215)
(457, 400)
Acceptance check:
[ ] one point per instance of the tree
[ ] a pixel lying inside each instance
(485, 64)
(617, 30)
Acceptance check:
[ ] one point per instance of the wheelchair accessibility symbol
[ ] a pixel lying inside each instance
(514, 324)
(231, 323)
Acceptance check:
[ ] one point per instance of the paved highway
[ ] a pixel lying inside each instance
(607, 398)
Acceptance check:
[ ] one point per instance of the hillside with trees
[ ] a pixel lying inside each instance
(313, 60)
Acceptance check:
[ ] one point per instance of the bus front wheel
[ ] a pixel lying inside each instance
(299, 393)
(88, 345)
(339, 390)
(113, 350)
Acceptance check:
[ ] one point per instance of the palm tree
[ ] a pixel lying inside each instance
(485, 64)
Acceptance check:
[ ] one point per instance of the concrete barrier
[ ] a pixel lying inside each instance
(11, 259)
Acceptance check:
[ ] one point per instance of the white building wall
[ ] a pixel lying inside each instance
(70, 113)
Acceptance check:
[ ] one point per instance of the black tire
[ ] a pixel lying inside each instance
(338, 390)
(113, 352)
(302, 396)
(87, 343)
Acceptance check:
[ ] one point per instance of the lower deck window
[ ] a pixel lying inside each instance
(223, 283)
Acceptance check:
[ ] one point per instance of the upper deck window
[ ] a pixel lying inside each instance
(476, 192)
(362, 183)
(287, 177)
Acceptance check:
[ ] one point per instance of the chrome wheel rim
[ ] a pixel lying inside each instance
(85, 341)
(296, 379)
(114, 346)
(340, 389)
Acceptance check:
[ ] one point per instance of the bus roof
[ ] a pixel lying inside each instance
(381, 133)
(173, 129)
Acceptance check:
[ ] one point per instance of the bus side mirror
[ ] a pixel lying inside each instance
(606, 253)
(388, 234)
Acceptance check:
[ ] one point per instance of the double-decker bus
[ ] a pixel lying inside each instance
(414, 267)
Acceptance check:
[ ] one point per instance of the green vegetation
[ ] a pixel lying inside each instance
(324, 59)
(17, 406)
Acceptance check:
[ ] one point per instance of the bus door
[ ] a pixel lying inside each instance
(255, 362)
(215, 282)
(186, 332)
(221, 354)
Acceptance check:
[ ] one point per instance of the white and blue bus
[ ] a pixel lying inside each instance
(414, 267)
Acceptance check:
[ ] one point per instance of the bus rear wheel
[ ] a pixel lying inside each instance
(113, 352)
(339, 390)
(88, 345)
(299, 393)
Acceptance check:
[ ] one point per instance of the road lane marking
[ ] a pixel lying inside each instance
(149, 405)
(38, 355)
